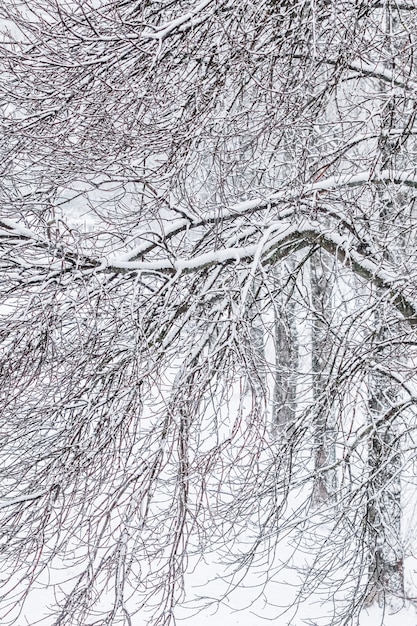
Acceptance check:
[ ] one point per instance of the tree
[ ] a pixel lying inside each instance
(168, 170)
(321, 346)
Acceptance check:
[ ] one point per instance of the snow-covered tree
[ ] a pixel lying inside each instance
(172, 175)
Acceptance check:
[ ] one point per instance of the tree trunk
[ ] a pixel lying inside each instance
(386, 577)
(383, 515)
(325, 480)
(286, 362)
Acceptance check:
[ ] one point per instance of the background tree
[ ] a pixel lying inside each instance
(167, 171)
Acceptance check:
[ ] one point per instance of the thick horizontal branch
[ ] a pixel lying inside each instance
(281, 197)
(10, 229)
(279, 239)
(285, 242)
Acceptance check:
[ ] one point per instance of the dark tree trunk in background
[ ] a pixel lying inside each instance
(383, 518)
(286, 360)
(386, 571)
(321, 282)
